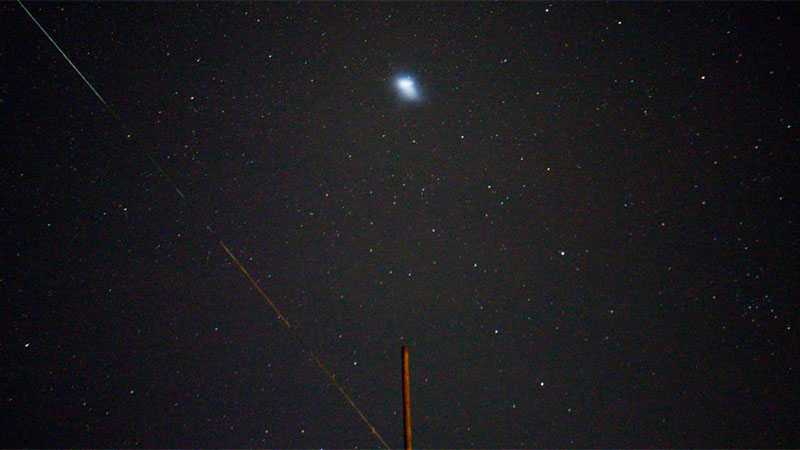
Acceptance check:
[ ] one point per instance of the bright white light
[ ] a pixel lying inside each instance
(407, 88)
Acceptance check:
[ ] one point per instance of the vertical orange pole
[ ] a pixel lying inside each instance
(406, 400)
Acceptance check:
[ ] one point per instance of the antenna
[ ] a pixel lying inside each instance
(406, 400)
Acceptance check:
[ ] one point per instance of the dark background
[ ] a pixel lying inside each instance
(584, 232)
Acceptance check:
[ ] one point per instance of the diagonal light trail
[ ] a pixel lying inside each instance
(294, 331)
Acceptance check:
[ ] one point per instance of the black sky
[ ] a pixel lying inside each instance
(584, 230)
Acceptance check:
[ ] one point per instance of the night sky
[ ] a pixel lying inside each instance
(581, 218)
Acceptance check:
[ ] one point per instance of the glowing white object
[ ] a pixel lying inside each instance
(408, 90)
